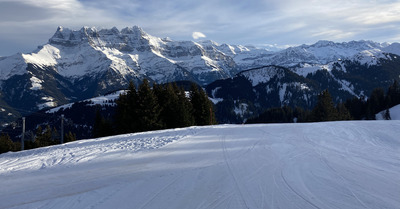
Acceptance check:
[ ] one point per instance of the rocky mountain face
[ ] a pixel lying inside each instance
(79, 64)
(76, 65)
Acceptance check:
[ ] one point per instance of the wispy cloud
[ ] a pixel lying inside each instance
(197, 35)
(258, 22)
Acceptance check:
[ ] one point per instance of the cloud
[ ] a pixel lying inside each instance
(9, 13)
(254, 22)
(197, 35)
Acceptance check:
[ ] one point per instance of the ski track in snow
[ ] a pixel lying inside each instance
(353, 165)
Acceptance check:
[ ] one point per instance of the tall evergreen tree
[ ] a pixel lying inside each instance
(164, 99)
(148, 109)
(300, 115)
(356, 107)
(55, 136)
(6, 144)
(126, 112)
(393, 95)
(324, 110)
(69, 137)
(175, 106)
(203, 112)
(184, 116)
(387, 114)
(43, 137)
(375, 103)
(101, 126)
(342, 112)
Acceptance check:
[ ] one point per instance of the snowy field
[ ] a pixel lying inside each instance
(315, 165)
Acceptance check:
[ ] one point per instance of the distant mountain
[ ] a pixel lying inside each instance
(252, 91)
(79, 64)
(76, 65)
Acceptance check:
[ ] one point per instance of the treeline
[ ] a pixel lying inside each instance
(326, 110)
(42, 138)
(378, 101)
(160, 107)
(47, 137)
(143, 109)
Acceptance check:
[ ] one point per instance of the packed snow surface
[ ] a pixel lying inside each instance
(394, 113)
(315, 165)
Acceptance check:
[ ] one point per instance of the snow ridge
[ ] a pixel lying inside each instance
(263, 74)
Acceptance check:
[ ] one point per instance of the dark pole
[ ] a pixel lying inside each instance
(23, 134)
(62, 128)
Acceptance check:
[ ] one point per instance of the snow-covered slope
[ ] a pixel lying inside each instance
(107, 99)
(263, 74)
(394, 113)
(345, 165)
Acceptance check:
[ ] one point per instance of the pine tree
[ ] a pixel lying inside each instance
(175, 106)
(342, 112)
(184, 116)
(126, 112)
(357, 107)
(29, 140)
(203, 112)
(97, 126)
(101, 126)
(6, 144)
(387, 114)
(38, 137)
(375, 103)
(164, 99)
(148, 109)
(324, 110)
(69, 137)
(55, 136)
(43, 137)
(393, 95)
(300, 115)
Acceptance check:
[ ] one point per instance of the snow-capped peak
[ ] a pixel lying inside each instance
(323, 43)
(136, 30)
(393, 48)
(90, 50)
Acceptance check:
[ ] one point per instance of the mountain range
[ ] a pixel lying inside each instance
(79, 64)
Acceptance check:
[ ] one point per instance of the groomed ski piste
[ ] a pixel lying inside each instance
(346, 165)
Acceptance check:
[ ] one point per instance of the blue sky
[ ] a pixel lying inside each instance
(25, 24)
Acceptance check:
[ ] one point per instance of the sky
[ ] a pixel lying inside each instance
(26, 24)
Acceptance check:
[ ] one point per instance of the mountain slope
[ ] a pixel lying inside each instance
(76, 65)
(315, 165)
(79, 64)
(252, 91)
